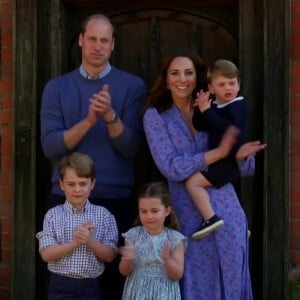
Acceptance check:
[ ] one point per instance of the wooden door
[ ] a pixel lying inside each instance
(143, 37)
(259, 33)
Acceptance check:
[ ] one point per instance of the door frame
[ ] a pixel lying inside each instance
(264, 39)
(265, 51)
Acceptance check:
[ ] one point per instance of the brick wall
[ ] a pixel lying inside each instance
(295, 135)
(6, 143)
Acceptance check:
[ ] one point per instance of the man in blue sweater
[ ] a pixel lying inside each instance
(96, 110)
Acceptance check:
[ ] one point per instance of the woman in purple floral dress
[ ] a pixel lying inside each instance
(216, 268)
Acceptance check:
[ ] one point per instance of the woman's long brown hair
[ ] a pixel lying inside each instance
(160, 96)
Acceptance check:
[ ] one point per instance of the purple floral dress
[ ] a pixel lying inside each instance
(216, 267)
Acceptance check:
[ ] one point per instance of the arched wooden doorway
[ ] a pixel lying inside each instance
(261, 31)
(143, 37)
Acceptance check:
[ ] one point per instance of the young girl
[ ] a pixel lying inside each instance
(153, 255)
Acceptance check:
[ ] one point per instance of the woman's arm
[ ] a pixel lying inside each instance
(250, 148)
(177, 164)
(245, 157)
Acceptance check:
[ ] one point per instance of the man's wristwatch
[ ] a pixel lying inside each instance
(114, 119)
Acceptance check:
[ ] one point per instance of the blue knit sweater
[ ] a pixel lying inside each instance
(65, 102)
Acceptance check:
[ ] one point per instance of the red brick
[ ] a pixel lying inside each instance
(295, 195)
(295, 179)
(295, 147)
(7, 167)
(6, 124)
(6, 55)
(295, 84)
(6, 86)
(6, 224)
(295, 8)
(295, 257)
(295, 227)
(6, 148)
(295, 133)
(295, 211)
(6, 240)
(6, 194)
(295, 101)
(6, 38)
(5, 117)
(7, 132)
(5, 101)
(5, 274)
(5, 209)
(6, 255)
(6, 71)
(295, 70)
(295, 117)
(6, 22)
(295, 38)
(5, 178)
(4, 293)
(295, 242)
(295, 162)
(7, 164)
(295, 53)
(6, 8)
(295, 22)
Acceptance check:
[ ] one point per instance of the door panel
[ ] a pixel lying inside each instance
(264, 61)
(143, 38)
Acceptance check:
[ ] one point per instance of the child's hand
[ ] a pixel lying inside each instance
(166, 252)
(203, 101)
(127, 262)
(128, 252)
(83, 233)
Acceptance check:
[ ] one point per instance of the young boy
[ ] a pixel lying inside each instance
(227, 111)
(78, 237)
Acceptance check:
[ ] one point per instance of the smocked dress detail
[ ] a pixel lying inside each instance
(149, 279)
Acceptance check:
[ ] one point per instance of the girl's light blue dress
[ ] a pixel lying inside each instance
(149, 279)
